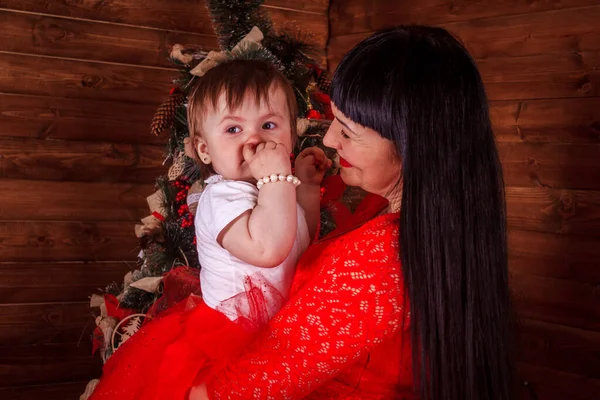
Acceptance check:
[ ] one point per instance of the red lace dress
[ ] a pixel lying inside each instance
(342, 335)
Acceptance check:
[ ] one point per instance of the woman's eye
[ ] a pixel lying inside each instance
(344, 135)
(269, 125)
(234, 129)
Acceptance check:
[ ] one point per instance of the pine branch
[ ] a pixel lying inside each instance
(233, 19)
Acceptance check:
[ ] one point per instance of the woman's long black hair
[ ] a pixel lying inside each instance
(418, 87)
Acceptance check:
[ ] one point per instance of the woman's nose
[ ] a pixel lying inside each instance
(330, 138)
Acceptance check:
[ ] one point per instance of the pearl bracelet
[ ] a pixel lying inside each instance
(278, 178)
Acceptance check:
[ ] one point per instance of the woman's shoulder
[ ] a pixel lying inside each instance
(376, 241)
(383, 228)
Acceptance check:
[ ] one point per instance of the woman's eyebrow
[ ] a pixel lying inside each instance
(345, 125)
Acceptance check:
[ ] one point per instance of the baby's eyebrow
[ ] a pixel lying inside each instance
(270, 115)
(232, 117)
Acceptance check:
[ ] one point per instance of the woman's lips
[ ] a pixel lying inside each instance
(344, 163)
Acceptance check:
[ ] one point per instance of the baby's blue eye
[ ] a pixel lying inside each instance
(234, 129)
(268, 125)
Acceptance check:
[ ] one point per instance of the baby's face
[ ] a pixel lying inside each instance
(226, 131)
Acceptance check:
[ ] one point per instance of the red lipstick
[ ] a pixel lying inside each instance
(344, 163)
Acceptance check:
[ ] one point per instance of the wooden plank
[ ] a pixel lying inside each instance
(80, 161)
(572, 257)
(27, 324)
(309, 6)
(33, 75)
(557, 120)
(76, 119)
(557, 301)
(541, 76)
(550, 384)
(75, 281)
(314, 28)
(554, 210)
(572, 166)
(568, 30)
(73, 201)
(528, 77)
(559, 347)
(58, 391)
(48, 363)
(88, 40)
(356, 16)
(35, 241)
(182, 15)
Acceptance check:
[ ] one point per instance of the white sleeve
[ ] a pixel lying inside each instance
(223, 202)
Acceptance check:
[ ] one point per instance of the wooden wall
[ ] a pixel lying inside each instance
(541, 64)
(79, 83)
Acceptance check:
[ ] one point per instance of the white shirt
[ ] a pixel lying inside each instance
(222, 275)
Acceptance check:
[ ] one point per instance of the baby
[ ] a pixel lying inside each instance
(254, 218)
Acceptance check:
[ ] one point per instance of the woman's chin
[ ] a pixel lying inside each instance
(348, 177)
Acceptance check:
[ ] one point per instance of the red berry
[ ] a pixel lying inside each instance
(314, 114)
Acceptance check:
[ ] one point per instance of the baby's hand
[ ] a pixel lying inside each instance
(311, 165)
(267, 158)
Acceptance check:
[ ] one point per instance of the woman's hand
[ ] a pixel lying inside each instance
(311, 165)
(198, 393)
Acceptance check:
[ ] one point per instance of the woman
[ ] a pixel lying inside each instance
(415, 302)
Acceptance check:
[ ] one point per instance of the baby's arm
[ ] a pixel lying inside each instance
(311, 165)
(265, 235)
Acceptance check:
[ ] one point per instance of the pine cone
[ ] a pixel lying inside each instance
(165, 115)
(323, 83)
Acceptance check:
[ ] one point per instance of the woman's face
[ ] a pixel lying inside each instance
(366, 159)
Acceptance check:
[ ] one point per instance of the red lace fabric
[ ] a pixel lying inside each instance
(341, 334)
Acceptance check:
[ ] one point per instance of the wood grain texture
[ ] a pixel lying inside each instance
(571, 166)
(181, 15)
(47, 282)
(559, 347)
(35, 241)
(574, 120)
(539, 76)
(554, 210)
(44, 323)
(58, 391)
(550, 384)
(59, 160)
(572, 257)
(73, 201)
(76, 119)
(531, 34)
(44, 76)
(557, 301)
(47, 364)
(357, 16)
(525, 77)
(88, 40)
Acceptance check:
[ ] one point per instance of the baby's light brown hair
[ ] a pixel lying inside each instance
(236, 79)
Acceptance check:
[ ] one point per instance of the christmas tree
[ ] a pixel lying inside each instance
(166, 236)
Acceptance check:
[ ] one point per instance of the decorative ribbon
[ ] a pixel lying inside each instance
(215, 58)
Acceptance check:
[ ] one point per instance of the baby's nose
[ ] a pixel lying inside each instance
(254, 139)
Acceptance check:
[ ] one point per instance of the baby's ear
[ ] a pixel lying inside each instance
(202, 151)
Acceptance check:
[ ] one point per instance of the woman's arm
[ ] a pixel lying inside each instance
(351, 306)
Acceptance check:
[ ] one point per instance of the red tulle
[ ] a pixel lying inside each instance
(184, 345)
(178, 284)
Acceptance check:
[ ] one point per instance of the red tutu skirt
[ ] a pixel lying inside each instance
(182, 347)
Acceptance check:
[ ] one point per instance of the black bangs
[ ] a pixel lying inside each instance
(356, 87)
